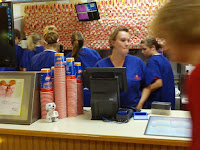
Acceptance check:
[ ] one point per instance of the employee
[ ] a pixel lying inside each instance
(19, 50)
(34, 45)
(137, 76)
(162, 88)
(88, 58)
(45, 59)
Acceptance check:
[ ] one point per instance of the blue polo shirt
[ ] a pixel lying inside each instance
(160, 68)
(27, 56)
(44, 59)
(39, 49)
(137, 78)
(88, 57)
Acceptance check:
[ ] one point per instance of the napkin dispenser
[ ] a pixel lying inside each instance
(161, 108)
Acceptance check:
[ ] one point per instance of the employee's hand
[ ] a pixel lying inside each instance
(139, 106)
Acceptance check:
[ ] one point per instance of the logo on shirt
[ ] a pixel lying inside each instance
(137, 77)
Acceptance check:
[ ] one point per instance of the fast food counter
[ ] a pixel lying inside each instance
(85, 134)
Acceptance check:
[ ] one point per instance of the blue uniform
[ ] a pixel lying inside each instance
(8, 68)
(27, 56)
(160, 68)
(88, 58)
(39, 49)
(44, 59)
(137, 78)
(18, 52)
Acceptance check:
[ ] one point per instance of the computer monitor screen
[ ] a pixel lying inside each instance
(108, 72)
(87, 11)
(7, 45)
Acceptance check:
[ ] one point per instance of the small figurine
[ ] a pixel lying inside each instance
(51, 114)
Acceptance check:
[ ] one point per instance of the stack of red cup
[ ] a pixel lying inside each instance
(79, 88)
(59, 85)
(71, 88)
(46, 90)
(52, 79)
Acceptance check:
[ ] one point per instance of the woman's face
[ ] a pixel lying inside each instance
(122, 42)
(147, 51)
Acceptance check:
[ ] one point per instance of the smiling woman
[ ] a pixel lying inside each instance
(138, 78)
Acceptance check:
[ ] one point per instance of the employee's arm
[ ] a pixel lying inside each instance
(145, 94)
(22, 69)
(156, 85)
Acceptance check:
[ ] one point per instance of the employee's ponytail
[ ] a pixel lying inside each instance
(150, 42)
(50, 35)
(77, 43)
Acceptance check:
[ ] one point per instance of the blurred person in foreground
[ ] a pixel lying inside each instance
(178, 24)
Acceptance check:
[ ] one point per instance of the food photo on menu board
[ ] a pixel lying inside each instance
(11, 92)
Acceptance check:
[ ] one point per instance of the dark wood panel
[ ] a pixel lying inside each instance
(165, 142)
(63, 144)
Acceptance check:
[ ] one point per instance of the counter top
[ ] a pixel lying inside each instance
(83, 126)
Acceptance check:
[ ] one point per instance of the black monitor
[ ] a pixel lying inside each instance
(105, 85)
(7, 41)
(87, 11)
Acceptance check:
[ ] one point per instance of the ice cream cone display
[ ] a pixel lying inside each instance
(7, 89)
(11, 88)
(3, 88)
(134, 14)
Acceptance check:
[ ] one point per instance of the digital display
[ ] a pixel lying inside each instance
(81, 8)
(83, 16)
(7, 46)
(87, 11)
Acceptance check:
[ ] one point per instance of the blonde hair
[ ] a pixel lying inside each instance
(178, 21)
(32, 40)
(77, 41)
(50, 36)
(114, 34)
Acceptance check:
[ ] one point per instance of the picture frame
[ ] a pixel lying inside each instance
(19, 97)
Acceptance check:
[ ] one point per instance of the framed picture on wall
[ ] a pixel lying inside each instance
(19, 97)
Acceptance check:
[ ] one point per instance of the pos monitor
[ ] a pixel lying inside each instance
(105, 85)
